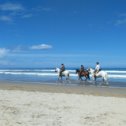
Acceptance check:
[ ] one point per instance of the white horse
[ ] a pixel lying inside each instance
(64, 74)
(101, 74)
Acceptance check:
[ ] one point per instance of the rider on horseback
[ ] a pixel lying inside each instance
(62, 69)
(97, 68)
(81, 70)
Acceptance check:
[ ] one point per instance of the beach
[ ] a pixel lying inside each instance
(62, 63)
(30, 104)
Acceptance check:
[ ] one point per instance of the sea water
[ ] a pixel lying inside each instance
(49, 75)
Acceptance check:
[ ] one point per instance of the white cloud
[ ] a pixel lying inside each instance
(42, 46)
(6, 18)
(11, 7)
(14, 11)
(122, 15)
(40, 8)
(27, 15)
(3, 52)
(17, 49)
(46, 9)
(120, 22)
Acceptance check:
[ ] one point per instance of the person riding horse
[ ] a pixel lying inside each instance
(81, 70)
(82, 73)
(62, 69)
(97, 68)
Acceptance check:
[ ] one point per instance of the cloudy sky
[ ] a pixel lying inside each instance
(46, 33)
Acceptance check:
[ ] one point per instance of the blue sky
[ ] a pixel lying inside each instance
(46, 33)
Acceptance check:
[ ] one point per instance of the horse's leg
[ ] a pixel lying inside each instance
(79, 77)
(95, 77)
(58, 78)
(106, 81)
(68, 77)
(85, 78)
(88, 77)
(95, 80)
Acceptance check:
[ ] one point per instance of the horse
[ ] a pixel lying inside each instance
(83, 74)
(101, 74)
(64, 74)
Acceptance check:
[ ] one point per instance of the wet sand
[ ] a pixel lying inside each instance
(84, 89)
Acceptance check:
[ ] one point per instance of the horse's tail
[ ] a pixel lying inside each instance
(68, 76)
(106, 78)
(88, 76)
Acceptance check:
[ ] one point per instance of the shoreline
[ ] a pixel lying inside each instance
(84, 89)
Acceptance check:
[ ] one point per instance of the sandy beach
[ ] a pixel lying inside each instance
(60, 105)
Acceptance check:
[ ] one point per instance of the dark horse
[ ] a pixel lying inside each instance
(83, 74)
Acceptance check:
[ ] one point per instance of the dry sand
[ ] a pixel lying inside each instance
(51, 105)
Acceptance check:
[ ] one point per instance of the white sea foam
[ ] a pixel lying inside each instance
(27, 70)
(51, 72)
(29, 73)
(115, 71)
(117, 76)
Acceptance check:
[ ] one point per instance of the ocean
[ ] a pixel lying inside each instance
(39, 75)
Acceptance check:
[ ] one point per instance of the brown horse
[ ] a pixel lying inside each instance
(83, 74)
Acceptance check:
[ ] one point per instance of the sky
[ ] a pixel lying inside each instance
(46, 33)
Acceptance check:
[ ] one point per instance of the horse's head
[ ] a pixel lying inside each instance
(57, 69)
(77, 70)
(90, 70)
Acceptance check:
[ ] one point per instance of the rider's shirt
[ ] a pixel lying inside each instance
(62, 68)
(97, 67)
(82, 69)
